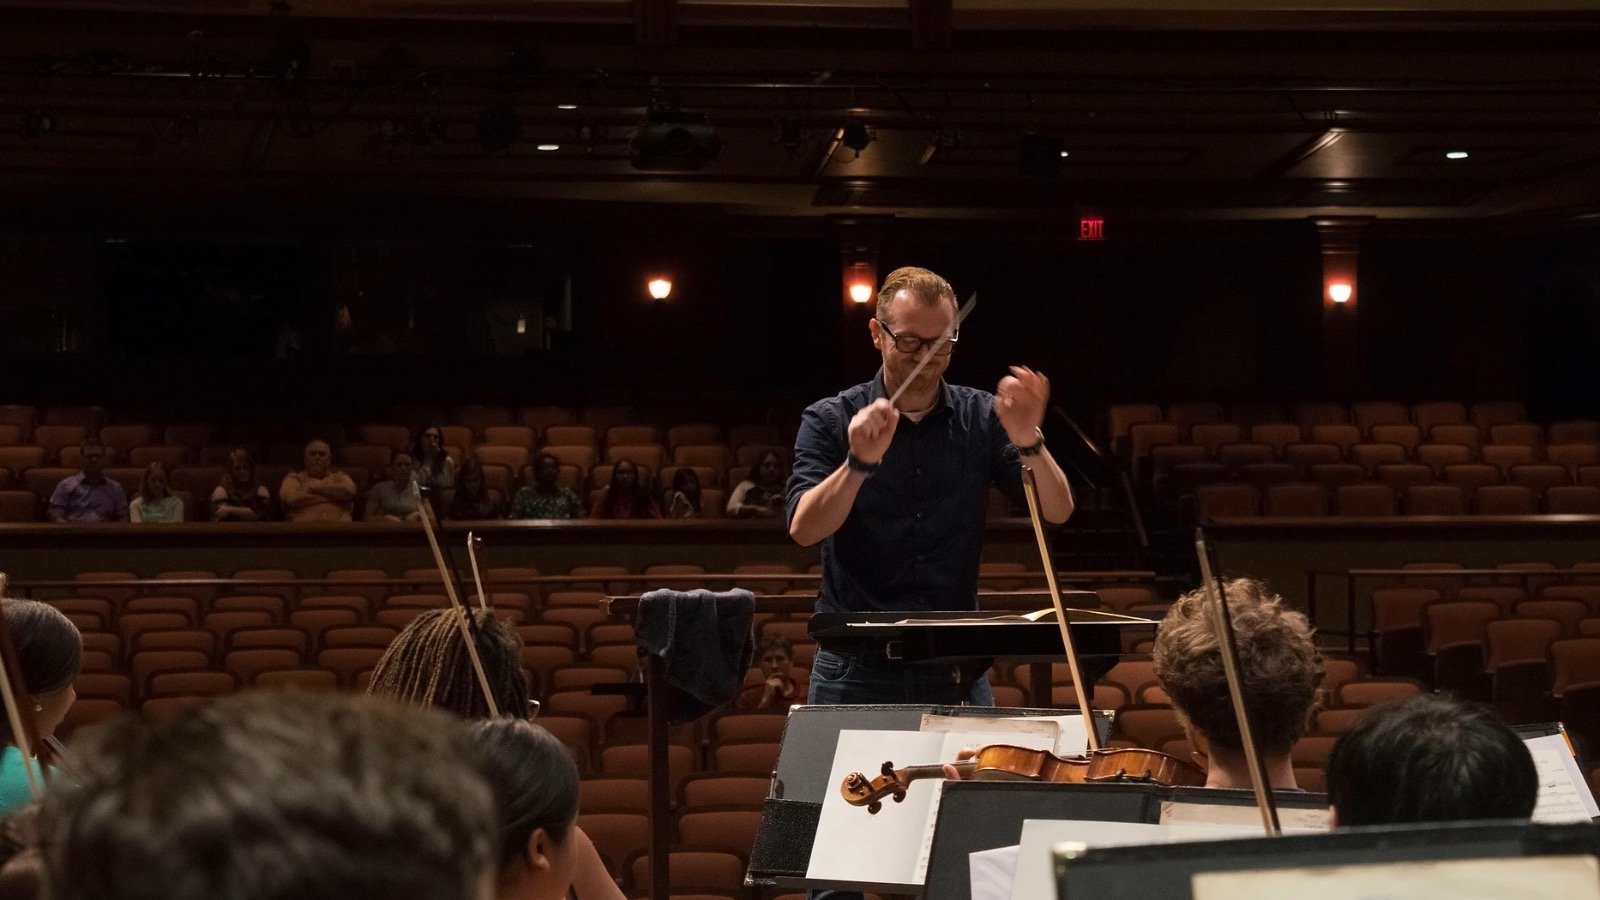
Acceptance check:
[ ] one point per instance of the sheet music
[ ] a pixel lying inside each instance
(1564, 794)
(1067, 732)
(1185, 812)
(1526, 878)
(854, 847)
(991, 873)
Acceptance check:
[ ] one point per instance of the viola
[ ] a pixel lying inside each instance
(1006, 762)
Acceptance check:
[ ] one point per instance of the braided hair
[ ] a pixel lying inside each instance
(427, 664)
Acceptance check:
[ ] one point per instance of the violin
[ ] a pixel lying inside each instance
(1006, 762)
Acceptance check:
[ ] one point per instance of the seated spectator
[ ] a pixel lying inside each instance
(780, 690)
(89, 496)
(546, 498)
(1280, 671)
(239, 497)
(761, 496)
(534, 778)
(318, 493)
(434, 468)
(625, 497)
(392, 499)
(473, 501)
(682, 501)
(427, 664)
(263, 795)
(155, 503)
(49, 654)
(1430, 759)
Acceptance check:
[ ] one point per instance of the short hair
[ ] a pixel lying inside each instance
(272, 796)
(427, 664)
(776, 642)
(1430, 758)
(49, 649)
(1280, 669)
(533, 778)
(926, 287)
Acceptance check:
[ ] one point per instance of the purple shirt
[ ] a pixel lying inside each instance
(75, 500)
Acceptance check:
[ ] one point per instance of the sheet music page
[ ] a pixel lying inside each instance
(990, 873)
(1564, 794)
(1174, 812)
(1068, 732)
(854, 847)
(1526, 878)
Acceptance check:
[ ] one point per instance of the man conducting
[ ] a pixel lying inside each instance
(897, 493)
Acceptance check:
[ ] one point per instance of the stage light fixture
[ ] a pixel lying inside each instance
(1457, 154)
(856, 136)
(670, 139)
(659, 288)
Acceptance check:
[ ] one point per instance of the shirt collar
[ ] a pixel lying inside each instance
(946, 396)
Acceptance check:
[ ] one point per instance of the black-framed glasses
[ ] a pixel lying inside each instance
(910, 343)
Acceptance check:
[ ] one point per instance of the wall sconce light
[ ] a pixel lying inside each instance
(659, 288)
(522, 325)
(1340, 292)
(860, 292)
(860, 282)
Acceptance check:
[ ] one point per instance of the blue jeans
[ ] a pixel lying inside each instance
(836, 678)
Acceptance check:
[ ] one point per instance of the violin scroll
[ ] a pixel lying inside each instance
(859, 791)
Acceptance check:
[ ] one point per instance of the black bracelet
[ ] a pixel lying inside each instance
(1035, 448)
(861, 466)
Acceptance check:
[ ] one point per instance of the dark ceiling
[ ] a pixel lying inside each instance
(1199, 110)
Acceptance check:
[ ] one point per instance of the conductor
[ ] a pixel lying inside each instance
(897, 491)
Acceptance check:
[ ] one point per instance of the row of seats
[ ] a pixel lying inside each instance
(1308, 500)
(1307, 415)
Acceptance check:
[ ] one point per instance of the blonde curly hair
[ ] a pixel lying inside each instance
(1280, 668)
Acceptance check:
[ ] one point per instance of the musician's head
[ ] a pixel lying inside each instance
(49, 653)
(915, 308)
(1280, 669)
(271, 796)
(1430, 759)
(428, 664)
(534, 778)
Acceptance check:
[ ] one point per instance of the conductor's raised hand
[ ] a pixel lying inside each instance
(1020, 401)
(871, 430)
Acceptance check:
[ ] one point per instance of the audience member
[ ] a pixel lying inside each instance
(318, 493)
(625, 497)
(546, 497)
(682, 500)
(392, 499)
(270, 796)
(473, 500)
(49, 655)
(780, 689)
(155, 503)
(1280, 671)
(427, 664)
(1430, 759)
(89, 496)
(238, 497)
(761, 496)
(434, 468)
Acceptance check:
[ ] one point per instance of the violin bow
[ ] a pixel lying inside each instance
(457, 608)
(19, 705)
(477, 577)
(1228, 649)
(1032, 493)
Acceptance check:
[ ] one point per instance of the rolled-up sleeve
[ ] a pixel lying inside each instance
(820, 448)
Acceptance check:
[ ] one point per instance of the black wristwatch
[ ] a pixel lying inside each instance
(1035, 448)
(861, 467)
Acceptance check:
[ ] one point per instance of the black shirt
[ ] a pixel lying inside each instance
(915, 534)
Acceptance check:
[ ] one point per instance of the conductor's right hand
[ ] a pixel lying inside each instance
(871, 431)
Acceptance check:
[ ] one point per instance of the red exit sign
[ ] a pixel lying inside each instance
(1091, 228)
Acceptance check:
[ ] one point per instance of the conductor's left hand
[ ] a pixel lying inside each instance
(1020, 402)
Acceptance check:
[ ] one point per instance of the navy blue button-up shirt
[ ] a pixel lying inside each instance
(915, 534)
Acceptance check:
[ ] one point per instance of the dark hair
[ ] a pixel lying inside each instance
(680, 484)
(144, 480)
(415, 451)
(1430, 758)
(463, 503)
(776, 642)
(49, 649)
(271, 796)
(755, 471)
(640, 495)
(533, 777)
(427, 664)
(238, 455)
